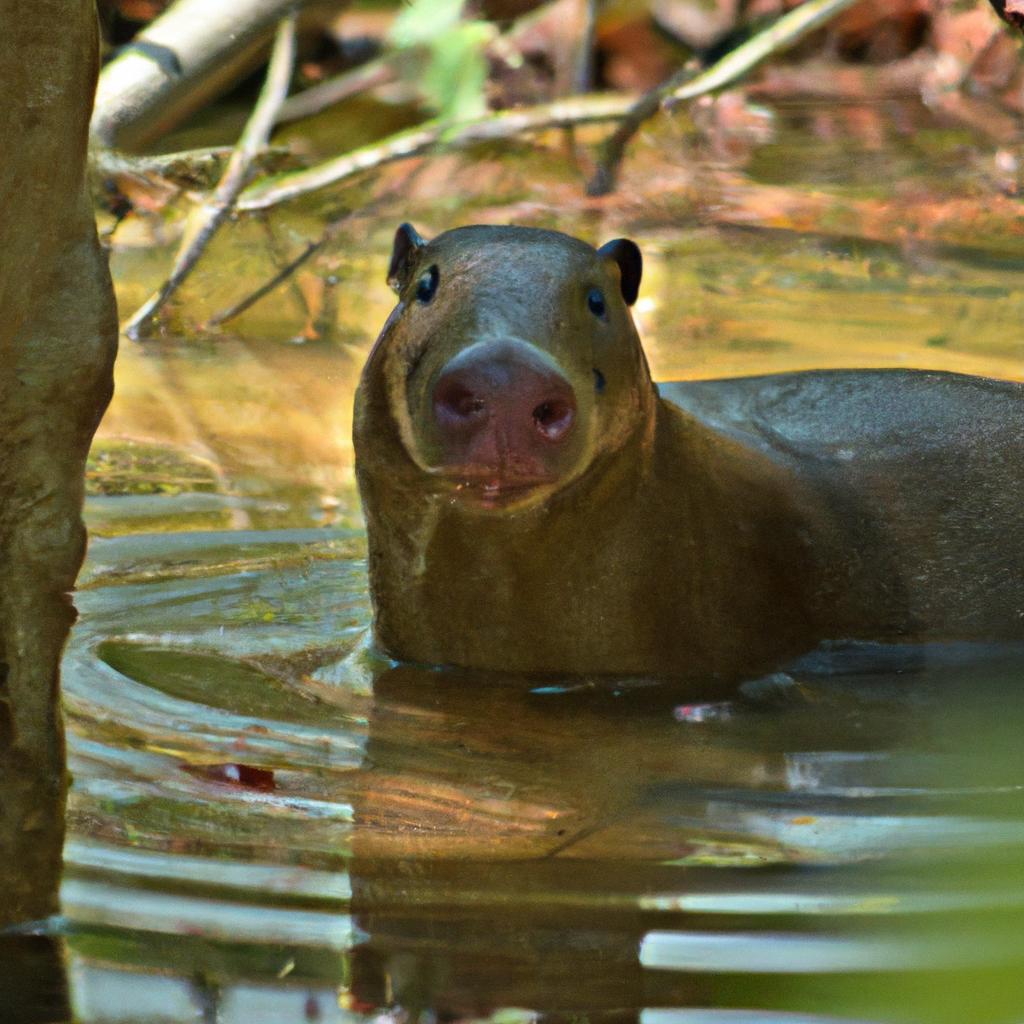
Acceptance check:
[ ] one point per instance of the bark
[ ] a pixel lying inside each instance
(58, 337)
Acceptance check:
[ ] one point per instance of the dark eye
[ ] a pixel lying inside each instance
(426, 286)
(595, 302)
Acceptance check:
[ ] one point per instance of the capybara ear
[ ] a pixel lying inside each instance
(631, 265)
(408, 242)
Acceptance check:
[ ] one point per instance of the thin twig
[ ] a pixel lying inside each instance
(503, 125)
(614, 147)
(325, 94)
(781, 35)
(268, 286)
(209, 217)
(684, 85)
(368, 209)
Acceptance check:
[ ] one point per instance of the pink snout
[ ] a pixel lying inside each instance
(502, 410)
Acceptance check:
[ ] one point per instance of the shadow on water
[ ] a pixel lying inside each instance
(260, 831)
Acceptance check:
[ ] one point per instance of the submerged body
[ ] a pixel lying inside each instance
(921, 476)
(535, 504)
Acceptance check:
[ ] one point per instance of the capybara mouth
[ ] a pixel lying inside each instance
(494, 489)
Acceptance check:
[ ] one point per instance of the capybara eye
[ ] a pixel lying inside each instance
(598, 380)
(595, 300)
(427, 285)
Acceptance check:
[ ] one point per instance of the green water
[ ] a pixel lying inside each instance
(267, 825)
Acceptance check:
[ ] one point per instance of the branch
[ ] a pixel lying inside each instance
(683, 85)
(196, 50)
(504, 125)
(783, 34)
(197, 169)
(213, 212)
(614, 147)
(268, 286)
(334, 90)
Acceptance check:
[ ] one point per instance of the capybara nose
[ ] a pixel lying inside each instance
(501, 403)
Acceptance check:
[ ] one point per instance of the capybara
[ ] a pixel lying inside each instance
(536, 504)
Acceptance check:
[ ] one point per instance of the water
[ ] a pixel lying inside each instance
(259, 834)
(264, 829)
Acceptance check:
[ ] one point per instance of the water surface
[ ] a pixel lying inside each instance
(261, 830)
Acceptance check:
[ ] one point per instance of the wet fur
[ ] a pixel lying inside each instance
(703, 530)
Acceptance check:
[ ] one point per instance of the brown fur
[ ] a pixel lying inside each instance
(701, 530)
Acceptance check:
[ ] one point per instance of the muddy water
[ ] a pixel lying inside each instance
(268, 825)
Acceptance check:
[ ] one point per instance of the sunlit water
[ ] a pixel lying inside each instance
(263, 831)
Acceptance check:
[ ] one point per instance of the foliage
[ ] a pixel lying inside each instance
(452, 83)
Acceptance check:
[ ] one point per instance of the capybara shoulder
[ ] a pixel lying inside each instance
(534, 504)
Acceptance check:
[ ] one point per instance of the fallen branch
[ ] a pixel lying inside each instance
(684, 85)
(209, 217)
(780, 36)
(505, 124)
(190, 169)
(196, 50)
(287, 269)
(614, 147)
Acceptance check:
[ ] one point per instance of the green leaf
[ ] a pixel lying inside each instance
(455, 77)
(423, 21)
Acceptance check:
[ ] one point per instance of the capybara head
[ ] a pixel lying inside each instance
(509, 364)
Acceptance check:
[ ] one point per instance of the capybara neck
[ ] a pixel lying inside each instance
(610, 574)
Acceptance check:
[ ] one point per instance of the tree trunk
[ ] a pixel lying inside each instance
(58, 337)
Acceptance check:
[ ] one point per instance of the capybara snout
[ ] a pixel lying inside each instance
(503, 407)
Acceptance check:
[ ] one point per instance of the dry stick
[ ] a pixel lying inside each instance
(280, 259)
(178, 63)
(190, 168)
(614, 147)
(213, 212)
(683, 86)
(781, 35)
(421, 139)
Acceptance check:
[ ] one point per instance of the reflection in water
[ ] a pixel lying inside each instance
(251, 842)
